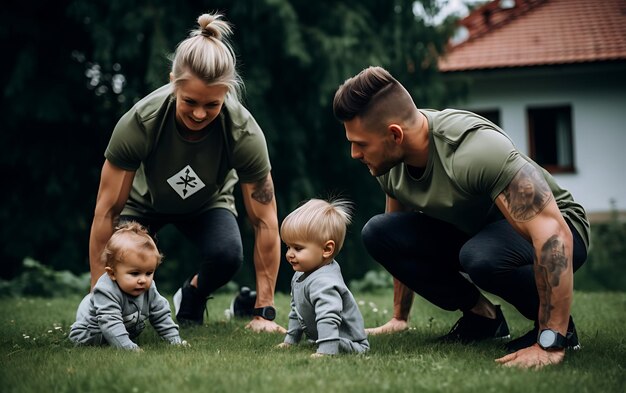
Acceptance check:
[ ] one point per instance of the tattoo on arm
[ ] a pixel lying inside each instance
(527, 194)
(548, 270)
(263, 191)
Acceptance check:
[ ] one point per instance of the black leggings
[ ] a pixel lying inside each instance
(428, 256)
(216, 234)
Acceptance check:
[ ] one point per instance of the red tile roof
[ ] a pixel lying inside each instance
(540, 32)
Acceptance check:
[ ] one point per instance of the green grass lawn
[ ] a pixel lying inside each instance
(225, 357)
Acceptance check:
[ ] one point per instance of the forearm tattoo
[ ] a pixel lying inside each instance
(527, 194)
(548, 270)
(263, 191)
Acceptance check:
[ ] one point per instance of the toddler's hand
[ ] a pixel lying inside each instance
(183, 343)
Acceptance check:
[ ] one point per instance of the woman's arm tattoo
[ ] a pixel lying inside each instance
(263, 191)
(527, 194)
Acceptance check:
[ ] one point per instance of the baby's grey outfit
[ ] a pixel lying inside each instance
(108, 315)
(323, 308)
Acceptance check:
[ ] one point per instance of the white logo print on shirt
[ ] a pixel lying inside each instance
(186, 182)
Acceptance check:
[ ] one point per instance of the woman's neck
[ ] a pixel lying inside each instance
(193, 136)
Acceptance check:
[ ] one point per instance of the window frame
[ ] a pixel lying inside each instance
(556, 110)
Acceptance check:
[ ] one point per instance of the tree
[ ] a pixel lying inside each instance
(81, 64)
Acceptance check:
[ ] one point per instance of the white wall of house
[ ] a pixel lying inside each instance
(597, 96)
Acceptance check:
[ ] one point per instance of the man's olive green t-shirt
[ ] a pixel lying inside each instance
(175, 176)
(470, 162)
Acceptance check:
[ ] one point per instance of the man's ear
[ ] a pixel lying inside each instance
(110, 272)
(396, 132)
(329, 249)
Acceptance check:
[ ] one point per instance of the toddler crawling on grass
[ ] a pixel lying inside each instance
(126, 295)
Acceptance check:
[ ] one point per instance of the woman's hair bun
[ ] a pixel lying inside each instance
(211, 25)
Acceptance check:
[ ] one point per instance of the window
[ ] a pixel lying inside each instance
(550, 138)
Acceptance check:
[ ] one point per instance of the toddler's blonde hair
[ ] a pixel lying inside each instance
(318, 221)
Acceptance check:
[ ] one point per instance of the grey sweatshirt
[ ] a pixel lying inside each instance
(323, 308)
(108, 315)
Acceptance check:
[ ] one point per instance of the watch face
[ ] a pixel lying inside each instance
(270, 313)
(547, 338)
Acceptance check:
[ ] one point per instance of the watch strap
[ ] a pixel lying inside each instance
(267, 312)
(560, 341)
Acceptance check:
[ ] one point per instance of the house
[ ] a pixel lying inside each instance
(552, 74)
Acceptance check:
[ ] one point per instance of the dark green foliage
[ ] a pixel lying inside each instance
(75, 66)
(372, 281)
(605, 268)
(42, 281)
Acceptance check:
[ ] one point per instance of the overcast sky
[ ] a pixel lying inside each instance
(448, 7)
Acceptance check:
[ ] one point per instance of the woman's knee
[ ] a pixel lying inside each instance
(226, 256)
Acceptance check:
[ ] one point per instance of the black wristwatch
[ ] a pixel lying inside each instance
(551, 339)
(268, 312)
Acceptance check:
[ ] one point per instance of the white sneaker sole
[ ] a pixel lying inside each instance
(178, 298)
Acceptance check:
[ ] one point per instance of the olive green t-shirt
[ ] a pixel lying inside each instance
(175, 176)
(470, 162)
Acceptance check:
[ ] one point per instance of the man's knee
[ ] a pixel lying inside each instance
(478, 262)
(374, 229)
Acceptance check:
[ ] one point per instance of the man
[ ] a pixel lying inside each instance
(462, 199)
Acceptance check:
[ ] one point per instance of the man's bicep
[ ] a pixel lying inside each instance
(525, 196)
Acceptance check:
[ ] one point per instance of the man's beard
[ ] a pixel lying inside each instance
(388, 162)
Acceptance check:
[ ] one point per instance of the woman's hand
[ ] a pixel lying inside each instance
(258, 325)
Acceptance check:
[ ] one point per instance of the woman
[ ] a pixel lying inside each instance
(175, 158)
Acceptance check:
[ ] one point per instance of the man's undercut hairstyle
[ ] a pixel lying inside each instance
(357, 94)
(129, 237)
(376, 97)
(318, 221)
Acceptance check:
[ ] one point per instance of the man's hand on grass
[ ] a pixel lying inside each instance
(532, 357)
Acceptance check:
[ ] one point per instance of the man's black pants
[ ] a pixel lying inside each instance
(428, 256)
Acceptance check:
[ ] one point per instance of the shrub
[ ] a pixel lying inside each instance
(374, 280)
(39, 280)
(605, 268)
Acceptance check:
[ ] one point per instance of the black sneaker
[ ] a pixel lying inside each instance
(242, 305)
(473, 327)
(530, 338)
(189, 306)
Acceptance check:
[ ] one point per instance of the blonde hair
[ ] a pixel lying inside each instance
(208, 55)
(318, 221)
(130, 236)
